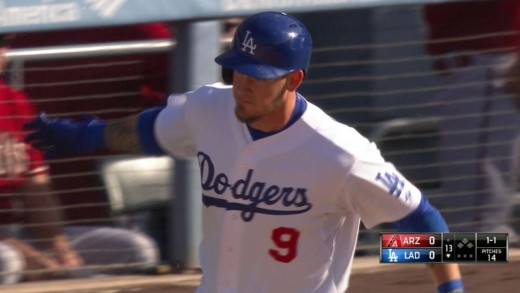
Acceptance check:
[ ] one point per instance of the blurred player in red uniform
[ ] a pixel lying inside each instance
(22, 171)
(31, 235)
(108, 87)
(473, 44)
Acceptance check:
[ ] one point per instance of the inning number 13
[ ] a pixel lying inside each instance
(286, 241)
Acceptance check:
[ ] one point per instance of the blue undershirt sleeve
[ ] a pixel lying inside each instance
(425, 218)
(145, 130)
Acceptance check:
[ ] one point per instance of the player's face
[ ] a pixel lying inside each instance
(261, 103)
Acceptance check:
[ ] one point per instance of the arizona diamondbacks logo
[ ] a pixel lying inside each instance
(249, 43)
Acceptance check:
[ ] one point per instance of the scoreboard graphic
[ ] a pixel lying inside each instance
(444, 248)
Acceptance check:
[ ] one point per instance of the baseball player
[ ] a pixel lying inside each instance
(32, 237)
(284, 186)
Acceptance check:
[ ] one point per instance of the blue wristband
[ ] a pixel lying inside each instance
(145, 131)
(57, 137)
(93, 137)
(453, 286)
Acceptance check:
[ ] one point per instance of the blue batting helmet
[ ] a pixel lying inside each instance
(268, 45)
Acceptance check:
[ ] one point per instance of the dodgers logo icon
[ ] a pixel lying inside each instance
(249, 43)
(392, 256)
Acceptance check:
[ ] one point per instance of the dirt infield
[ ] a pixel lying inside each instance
(502, 278)
(367, 276)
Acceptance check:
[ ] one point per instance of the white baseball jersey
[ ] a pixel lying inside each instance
(281, 214)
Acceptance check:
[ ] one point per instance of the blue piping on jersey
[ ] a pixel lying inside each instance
(299, 108)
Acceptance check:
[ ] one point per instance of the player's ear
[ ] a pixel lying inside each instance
(227, 75)
(294, 79)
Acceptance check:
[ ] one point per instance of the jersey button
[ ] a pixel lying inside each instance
(234, 217)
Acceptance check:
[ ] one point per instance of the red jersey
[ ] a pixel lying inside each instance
(474, 18)
(107, 87)
(17, 159)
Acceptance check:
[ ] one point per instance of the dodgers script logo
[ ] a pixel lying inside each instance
(263, 198)
(248, 43)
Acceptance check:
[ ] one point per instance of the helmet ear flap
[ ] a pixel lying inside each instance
(227, 75)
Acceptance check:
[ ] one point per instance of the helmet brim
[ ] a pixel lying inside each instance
(249, 66)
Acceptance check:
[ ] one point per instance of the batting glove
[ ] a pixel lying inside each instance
(58, 137)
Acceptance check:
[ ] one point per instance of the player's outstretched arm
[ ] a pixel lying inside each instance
(447, 278)
(59, 137)
(121, 135)
(426, 218)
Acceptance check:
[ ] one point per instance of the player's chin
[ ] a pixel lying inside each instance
(243, 115)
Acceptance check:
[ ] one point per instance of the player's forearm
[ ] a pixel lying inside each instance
(444, 273)
(58, 137)
(121, 135)
(43, 216)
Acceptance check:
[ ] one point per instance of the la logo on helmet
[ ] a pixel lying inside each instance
(248, 43)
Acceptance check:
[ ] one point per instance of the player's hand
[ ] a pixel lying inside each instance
(40, 266)
(57, 137)
(68, 257)
(55, 265)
